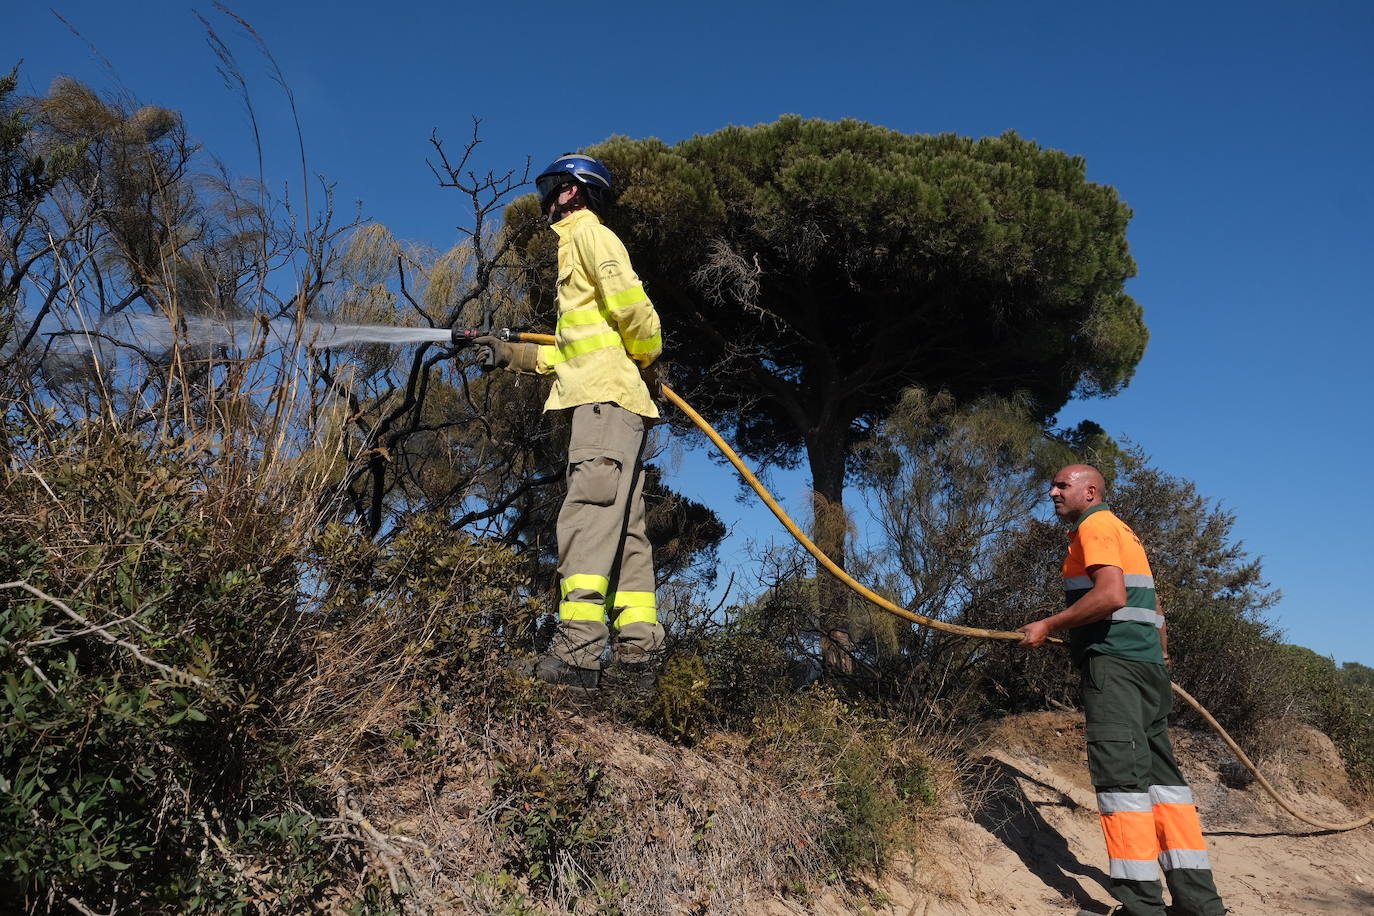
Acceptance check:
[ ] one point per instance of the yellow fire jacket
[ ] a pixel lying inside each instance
(607, 327)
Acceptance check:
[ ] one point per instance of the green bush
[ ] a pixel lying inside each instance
(182, 653)
(420, 629)
(1337, 701)
(680, 708)
(547, 814)
(140, 674)
(873, 770)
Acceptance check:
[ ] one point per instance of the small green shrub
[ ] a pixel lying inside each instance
(425, 621)
(548, 813)
(873, 770)
(1339, 702)
(500, 893)
(680, 708)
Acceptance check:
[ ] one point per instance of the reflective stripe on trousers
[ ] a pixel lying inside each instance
(1146, 831)
(632, 607)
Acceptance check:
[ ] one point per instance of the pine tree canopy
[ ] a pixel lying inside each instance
(809, 270)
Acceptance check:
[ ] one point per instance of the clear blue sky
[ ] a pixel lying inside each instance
(1240, 134)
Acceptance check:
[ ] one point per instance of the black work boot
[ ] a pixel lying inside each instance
(633, 673)
(555, 671)
(638, 679)
(1121, 911)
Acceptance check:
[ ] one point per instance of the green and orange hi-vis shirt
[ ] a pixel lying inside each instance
(1132, 632)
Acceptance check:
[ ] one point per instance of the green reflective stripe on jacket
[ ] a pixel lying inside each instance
(582, 318)
(636, 615)
(575, 348)
(581, 610)
(586, 582)
(548, 358)
(635, 599)
(640, 347)
(626, 298)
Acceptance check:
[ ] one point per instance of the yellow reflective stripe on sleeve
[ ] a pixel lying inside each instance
(581, 610)
(587, 582)
(635, 599)
(626, 297)
(581, 318)
(648, 345)
(549, 355)
(577, 348)
(636, 615)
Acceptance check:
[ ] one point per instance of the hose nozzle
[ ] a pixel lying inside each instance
(466, 337)
(463, 337)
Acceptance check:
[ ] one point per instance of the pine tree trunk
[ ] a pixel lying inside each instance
(826, 455)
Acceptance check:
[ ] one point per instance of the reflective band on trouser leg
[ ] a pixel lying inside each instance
(1128, 825)
(581, 610)
(1179, 830)
(586, 582)
(638, 607)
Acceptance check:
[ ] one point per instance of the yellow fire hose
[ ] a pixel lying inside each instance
(892, 608)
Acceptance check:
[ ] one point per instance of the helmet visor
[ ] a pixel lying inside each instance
(551, 184)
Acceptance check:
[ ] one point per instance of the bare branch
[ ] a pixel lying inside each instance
(107, 636)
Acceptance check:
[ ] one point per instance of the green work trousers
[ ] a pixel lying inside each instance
(605, 562)
(1148, 815)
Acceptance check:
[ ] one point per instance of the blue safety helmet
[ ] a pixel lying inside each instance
(586, 171)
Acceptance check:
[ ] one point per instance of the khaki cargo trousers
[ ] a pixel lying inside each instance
(605, 562)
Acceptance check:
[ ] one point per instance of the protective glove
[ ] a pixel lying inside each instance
(495, 353)
(653, 376)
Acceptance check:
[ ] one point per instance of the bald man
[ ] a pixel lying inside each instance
(1117, 640)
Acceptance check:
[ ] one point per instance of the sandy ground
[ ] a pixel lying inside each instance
(1019, 836)
(1035, 845)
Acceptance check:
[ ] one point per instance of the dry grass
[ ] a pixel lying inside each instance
(685, 830)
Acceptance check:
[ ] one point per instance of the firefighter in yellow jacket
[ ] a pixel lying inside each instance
(607, 334)
(1118, 640)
